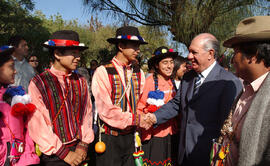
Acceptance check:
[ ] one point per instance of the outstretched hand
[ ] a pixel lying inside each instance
(73, 158)
(82, 153)
(147, 120)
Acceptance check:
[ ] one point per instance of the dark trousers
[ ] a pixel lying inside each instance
(119, 151)
(51, 161)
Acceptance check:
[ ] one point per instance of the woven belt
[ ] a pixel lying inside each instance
(115, 132)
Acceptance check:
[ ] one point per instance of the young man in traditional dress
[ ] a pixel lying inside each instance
(117, 87)
(62, 123)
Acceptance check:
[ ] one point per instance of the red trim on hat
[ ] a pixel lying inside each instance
(61, 42)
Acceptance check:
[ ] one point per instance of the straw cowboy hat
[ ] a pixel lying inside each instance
(6, 50)
(127, 33)
(255, 28)
(65, 39)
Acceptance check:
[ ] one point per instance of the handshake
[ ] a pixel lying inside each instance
(147, 120)
(77, 157)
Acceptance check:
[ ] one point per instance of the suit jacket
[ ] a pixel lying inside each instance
(254, 147)
(202, 115)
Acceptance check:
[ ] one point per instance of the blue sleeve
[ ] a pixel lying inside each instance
(169, 110)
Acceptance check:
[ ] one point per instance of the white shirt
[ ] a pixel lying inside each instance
(25, 73)
(207, 71)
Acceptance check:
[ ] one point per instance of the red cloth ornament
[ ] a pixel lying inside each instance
(152, 108)
(18, 109)
(31, 108)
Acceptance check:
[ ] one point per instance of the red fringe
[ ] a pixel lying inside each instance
(31, 108)
(18, 109)
(152, 108)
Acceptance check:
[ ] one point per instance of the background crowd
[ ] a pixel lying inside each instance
(181, 111)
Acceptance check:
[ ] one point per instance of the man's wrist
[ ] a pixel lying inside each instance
(83, 146)
(62, 152)
(154, 118)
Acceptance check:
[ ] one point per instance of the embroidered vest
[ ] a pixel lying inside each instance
(118, 88)
(67, 125)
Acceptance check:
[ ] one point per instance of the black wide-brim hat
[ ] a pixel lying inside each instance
(162, 53)
(127, 33)
(6, 50)
(65, 39)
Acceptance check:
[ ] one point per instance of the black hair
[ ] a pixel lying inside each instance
(124, 43)
(151, 64)
(51, 52)
(259, 49)
(155, 76)
(116, 47)
(4, 59)
(29, 57)
(94, 61)
(178, 61)
(15, 40)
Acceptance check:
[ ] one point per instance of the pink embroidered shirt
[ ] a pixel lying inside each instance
(18, 128)
(40, 124)
(167, 128)
(101, 88)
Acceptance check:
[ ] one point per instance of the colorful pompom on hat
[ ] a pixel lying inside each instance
(127, 33)
(20, 102)
(155, 100)
(162, 53)
(65, 39)
(6, 50)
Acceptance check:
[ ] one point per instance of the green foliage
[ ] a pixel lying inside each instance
(155, 38)
(95, 37)
(184, 18)
(15, 19)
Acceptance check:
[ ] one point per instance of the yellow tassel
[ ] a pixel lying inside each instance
(38, 152)
(138, 139)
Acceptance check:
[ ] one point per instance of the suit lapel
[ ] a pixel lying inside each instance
(190, 89)
(209, 82)
(187, 87)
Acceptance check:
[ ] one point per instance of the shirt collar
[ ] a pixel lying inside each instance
(15, 59)
(119, 63)
(208, 70)
(58, 72)
(258, 82)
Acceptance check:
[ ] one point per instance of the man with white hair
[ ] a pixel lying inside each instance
(203, 102)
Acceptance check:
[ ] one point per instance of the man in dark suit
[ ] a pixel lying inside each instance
(204, 101)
